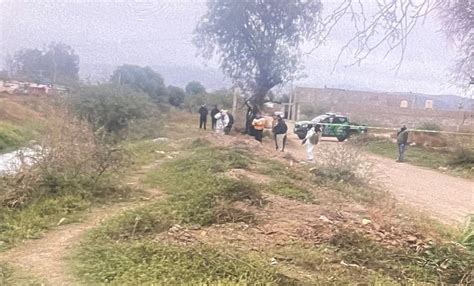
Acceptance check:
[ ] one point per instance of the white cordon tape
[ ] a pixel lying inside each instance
(410, 130)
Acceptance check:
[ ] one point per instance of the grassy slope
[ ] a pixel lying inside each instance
(19, 122)
(132, 249)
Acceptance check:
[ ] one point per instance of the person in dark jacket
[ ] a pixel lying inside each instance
(279, 132)
(214, 111)
(203, 116)
(230, 124)
(402, 139)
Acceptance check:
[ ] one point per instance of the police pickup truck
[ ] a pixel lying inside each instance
(331, 125)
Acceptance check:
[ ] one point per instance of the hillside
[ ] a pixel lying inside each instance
(20, 120)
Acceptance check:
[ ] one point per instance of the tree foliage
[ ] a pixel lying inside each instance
(143, 79)
(194, 87)
(257, 42)
(176, 95)
(110, 108)
(56, 64)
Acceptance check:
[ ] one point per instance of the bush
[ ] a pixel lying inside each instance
(462, 157)
(344, 165)
(70, 171)
(430, 126)
(110, 109)
(70, 159)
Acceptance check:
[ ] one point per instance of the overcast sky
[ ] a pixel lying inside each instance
(111, 33)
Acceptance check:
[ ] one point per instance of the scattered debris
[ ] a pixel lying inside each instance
(366, 221)
(273, 261)
(61, 221)
(325, 219)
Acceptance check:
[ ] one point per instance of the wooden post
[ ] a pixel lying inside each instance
(234, 102)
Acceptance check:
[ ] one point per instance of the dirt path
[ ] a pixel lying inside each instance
(444, 197)
(47, 258)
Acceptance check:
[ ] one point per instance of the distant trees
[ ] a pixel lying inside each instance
(257, 41)
(194, 87)
(56, 64)
(143, 79)
(176, 95)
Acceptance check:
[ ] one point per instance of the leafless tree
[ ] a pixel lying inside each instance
(386, 24)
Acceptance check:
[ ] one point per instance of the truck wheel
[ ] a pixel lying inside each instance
(341, 138)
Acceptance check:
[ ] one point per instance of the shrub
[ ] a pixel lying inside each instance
(430, 126)
(344, 165)
(109, 109)
(462, 157)
(70, 159)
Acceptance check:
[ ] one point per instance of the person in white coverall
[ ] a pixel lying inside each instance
(311, 139)
(222, 121)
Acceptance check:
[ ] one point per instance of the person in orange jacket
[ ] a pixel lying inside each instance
(258, 124)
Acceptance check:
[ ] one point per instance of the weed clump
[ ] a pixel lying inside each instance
(462, 157)
(66, 174)
(145, 262)
(290, 190)
(344, 165)
(430, 263)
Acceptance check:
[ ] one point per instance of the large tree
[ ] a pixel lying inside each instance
(257, 42)
(141, 79)
(194, 87)
(56, 64)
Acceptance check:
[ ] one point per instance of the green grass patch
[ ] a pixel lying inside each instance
(12, 136)
(125, 249)
(31, 220)
(447, 263)
(146, 262)
(291, 190)
(10, 276)
(321, 265)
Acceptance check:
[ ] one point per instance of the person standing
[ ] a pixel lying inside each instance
(203, 116)
(230, 124)
(311, 139)
(214, 111)
(222, 120)
(279, 132)
(402, 139)
(258, 124)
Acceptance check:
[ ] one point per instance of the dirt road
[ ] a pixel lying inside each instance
(444, 197)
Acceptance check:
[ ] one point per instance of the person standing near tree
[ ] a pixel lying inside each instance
(230, 124)
(258, 124)
(214, 111)
(402, 139)
(203, 116)
(279, 132)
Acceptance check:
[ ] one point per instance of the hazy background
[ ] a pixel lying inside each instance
(159, 34)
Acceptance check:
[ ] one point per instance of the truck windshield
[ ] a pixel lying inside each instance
(319, 118)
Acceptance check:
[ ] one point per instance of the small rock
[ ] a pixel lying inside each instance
(160, 139)
(366, 221)
(325, 219)
(442, 168)
(160, 152)
(273, 261)
(411, 239)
